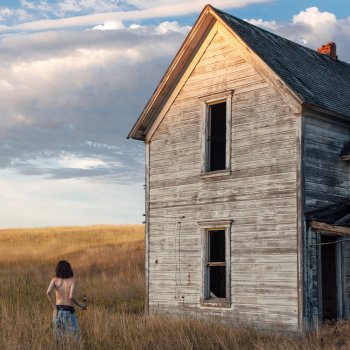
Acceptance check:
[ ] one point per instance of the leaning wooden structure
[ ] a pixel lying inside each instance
(247, 179)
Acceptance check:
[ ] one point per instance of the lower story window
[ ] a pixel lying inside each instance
(216, 262)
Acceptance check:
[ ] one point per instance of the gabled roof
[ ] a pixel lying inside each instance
(333, 219)
(317, 80)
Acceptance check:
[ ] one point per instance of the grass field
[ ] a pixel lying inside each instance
(108, 262)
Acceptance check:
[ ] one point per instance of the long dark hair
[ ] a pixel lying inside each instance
(63, 269)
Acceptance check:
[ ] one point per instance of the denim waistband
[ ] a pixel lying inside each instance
(65, 308)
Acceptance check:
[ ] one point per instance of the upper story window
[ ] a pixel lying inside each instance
(217, 133)
(216, 137)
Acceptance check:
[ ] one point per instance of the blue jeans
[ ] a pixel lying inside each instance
(65, 324)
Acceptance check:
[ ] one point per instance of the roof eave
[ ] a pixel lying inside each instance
(308, 107)
(204, 21)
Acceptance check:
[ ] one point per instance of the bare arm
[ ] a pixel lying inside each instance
(49, 293)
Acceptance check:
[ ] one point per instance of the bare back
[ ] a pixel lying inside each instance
(64, 288)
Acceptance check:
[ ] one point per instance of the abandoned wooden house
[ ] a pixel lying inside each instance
(247, 179)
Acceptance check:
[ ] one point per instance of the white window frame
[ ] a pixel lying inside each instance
(204, 228)
(207, 101)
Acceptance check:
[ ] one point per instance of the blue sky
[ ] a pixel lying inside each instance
(74, 76)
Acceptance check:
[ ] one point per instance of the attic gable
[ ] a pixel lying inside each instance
(205, 28)
(195, 44)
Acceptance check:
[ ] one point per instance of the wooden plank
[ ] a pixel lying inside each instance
(326, 128)
(241, 70)
(236, 61)
(230, 81)
(193, 183)
(207, 189)
(331, 229)
(336, 188)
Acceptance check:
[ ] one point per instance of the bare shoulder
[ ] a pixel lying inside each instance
(53, 284)
(57, 282)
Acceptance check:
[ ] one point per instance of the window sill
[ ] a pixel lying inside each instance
(216, 173)
(218, 303)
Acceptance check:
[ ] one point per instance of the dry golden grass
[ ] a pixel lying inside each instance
(46, 244)
(108, 262)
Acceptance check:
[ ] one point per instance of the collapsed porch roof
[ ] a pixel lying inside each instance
(333, 219)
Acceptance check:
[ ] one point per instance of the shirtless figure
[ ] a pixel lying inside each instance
(64, 319)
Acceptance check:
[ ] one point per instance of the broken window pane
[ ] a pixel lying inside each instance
(217, 280)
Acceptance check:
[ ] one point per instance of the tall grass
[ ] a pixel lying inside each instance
(108, 262)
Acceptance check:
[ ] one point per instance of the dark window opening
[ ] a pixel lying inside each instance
(329, 279)
(216, 245)
(217, 137)
(216, 264)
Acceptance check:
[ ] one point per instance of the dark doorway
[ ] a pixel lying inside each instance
(329, 277)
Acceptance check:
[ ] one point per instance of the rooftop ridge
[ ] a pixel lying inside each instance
(267, 32)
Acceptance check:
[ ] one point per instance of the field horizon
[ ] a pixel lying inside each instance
(108, 261)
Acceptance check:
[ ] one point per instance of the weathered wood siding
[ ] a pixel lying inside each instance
(260, 195)
(326, 182)
(326, 176)
(345, 251)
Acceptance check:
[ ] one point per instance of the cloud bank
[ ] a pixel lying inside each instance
(69, 97)
(42, 15)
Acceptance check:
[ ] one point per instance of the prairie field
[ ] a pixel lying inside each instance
(109, 264)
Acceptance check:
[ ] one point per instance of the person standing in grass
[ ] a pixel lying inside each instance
(64, 318)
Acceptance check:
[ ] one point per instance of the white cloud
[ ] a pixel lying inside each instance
(166, 27)
(5, 12)
(62, 8)
(269, 25)
(74, 162)
(313, 28)
(84, 5)
(314, 18)
(320, 26)
(65, 160)
(5, 85)
(110, 25)
(16, 15)
(136, 26)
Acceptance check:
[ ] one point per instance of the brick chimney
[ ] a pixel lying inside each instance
(329, 49)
